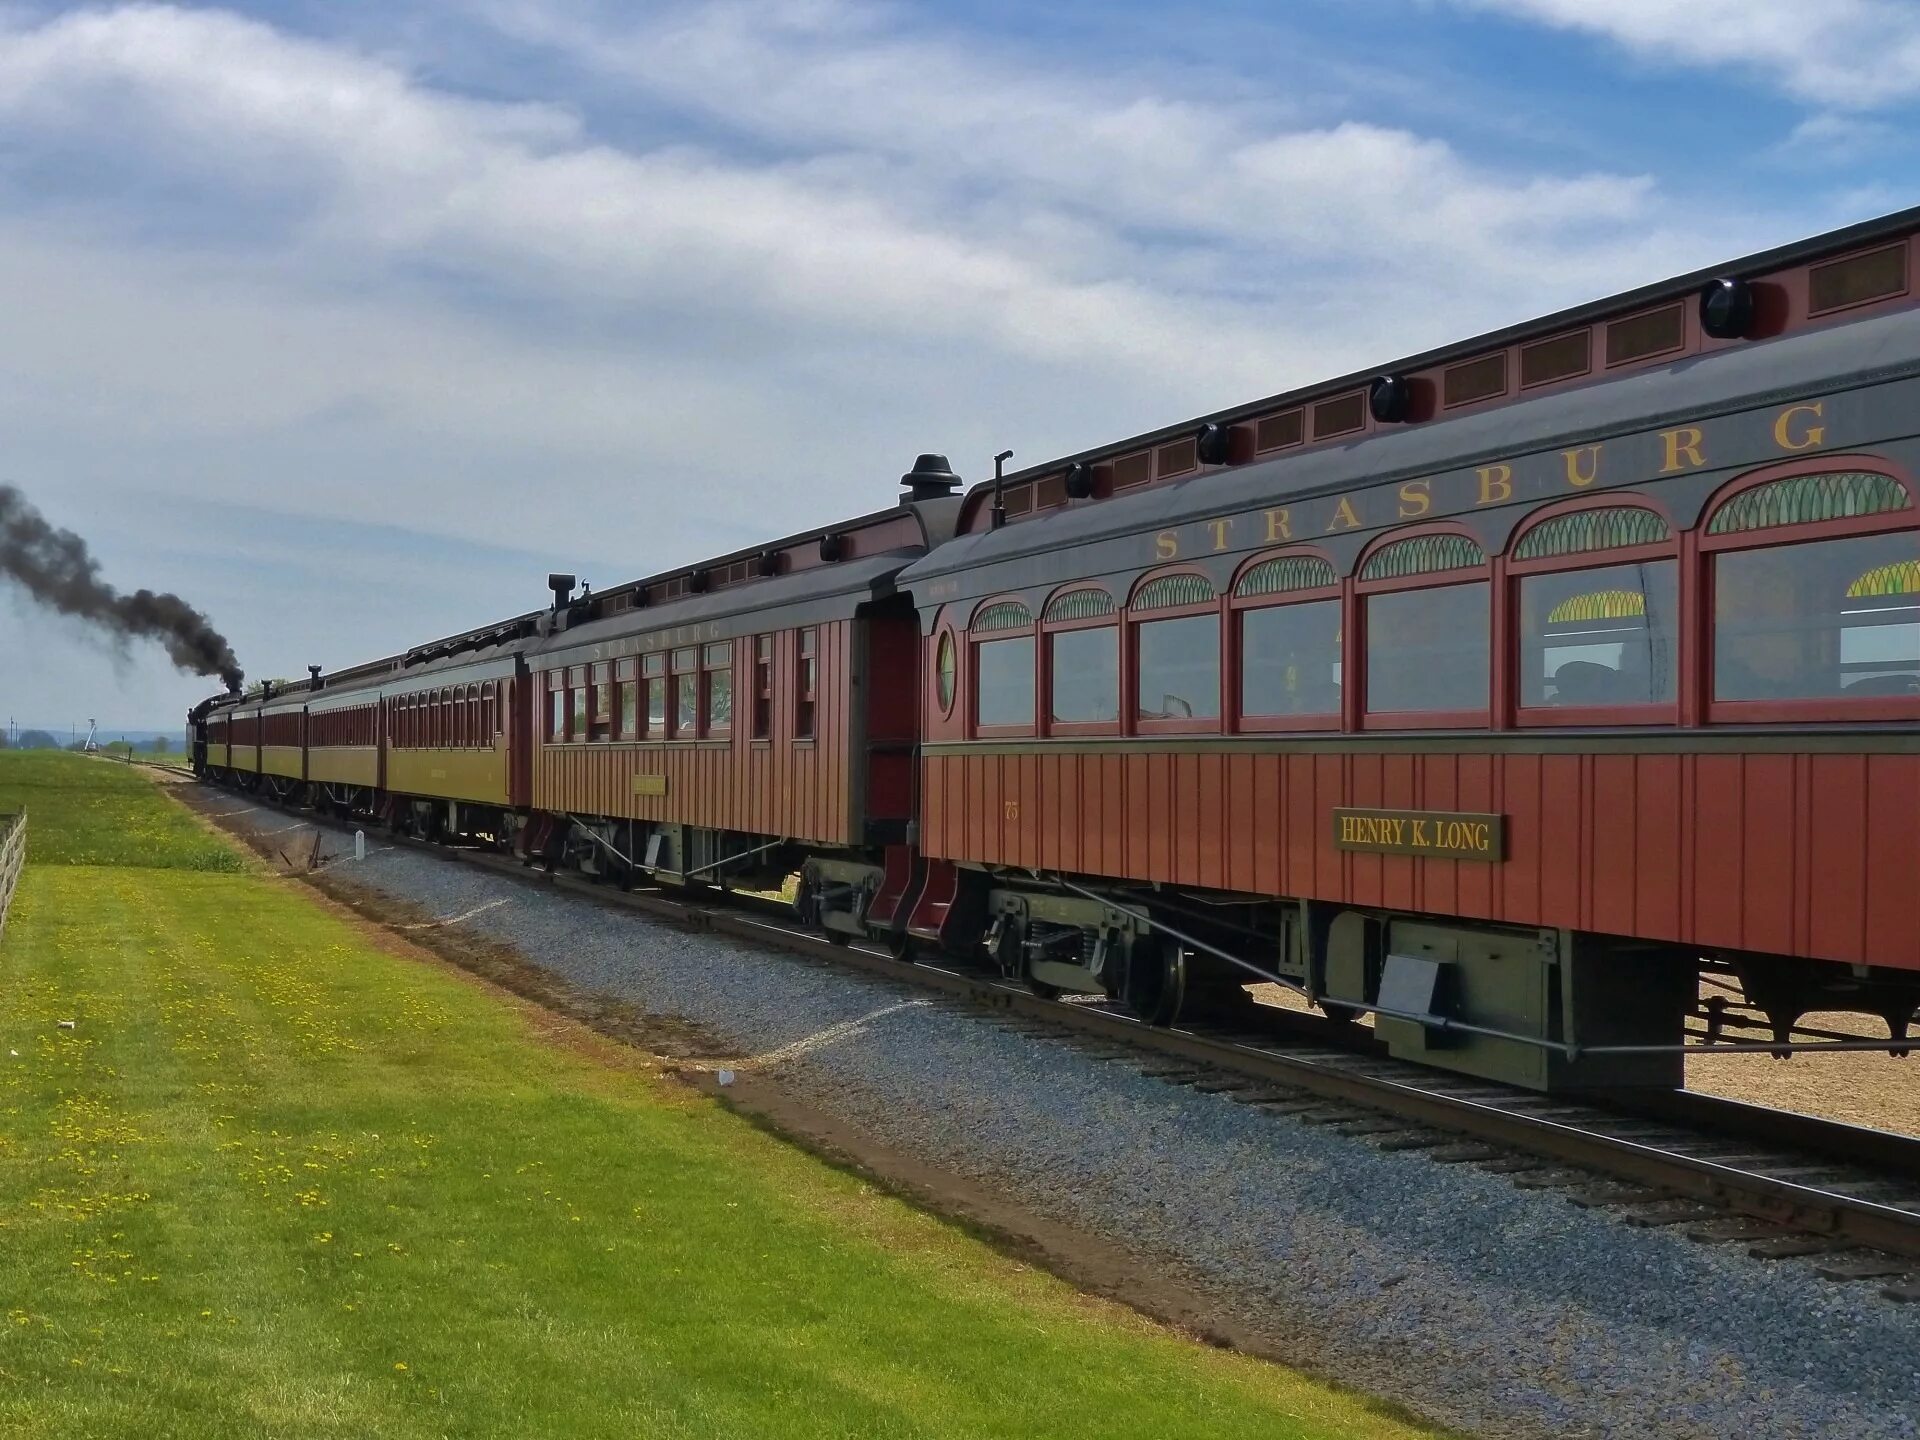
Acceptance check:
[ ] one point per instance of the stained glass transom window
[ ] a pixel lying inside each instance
(1287, 572)
(1612, 528)
(1422, 555)
(1805, 499)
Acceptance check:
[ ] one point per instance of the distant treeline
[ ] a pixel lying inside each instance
(41, 740)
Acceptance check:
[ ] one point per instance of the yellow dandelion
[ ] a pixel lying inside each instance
(400, 1365)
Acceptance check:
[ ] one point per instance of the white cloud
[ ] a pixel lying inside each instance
(1848, 54)
(315, 280)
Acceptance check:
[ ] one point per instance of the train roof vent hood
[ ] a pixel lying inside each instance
(930, 478)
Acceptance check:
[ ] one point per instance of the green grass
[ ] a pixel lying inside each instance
(278, 1181)
(91, 811)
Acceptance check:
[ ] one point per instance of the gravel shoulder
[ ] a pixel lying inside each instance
(1482, 1306)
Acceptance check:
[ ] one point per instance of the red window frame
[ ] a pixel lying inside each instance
(626, 695)
(1043, 656)
(976, 640)
(1355, 654)
(1515, 571)
(554, 726)
(806, 681)
(600, 697)
(1130, 656)
(763, 687)
(1237, 607)
(653, 676)
(683, 664)
(1835, 708)
(716, 659)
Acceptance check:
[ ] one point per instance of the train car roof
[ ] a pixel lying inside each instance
(1782, 263)
(1883, 347)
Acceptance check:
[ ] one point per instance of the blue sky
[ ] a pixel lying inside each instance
(350, 322)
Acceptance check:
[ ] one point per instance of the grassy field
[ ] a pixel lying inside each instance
(280, 1181)
(103, 813)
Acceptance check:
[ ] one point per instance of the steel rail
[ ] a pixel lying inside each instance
(1484, 1111)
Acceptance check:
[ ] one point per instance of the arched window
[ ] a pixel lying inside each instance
(1003, 668)
(1813, 597)
(1427, 607)
(1083, 662)
(1598, 591)
(1175, 621)
(1288, 613)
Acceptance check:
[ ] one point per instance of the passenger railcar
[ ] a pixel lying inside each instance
(1509, 695)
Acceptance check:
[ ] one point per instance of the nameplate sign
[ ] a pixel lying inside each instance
(1441, 834)
(649, 784)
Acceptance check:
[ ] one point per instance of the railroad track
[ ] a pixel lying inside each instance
(1778, 1183)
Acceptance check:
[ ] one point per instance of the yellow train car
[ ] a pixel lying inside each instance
(447, 734)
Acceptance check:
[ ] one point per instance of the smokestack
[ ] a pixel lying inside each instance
(313, 677)
(56, 569)
(562, 588)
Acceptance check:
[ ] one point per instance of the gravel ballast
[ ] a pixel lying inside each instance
(1494, 1309)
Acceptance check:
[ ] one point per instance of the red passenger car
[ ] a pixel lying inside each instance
(1499, 693)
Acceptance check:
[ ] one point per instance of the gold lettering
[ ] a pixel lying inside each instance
(1582, 472)
(1682, 449)
(1420, 834)
(1810, 437)
(1415, 498)
(1219, 528)
(1344, 512)
(1166, 545)
(1279, 525)
(1496, 483)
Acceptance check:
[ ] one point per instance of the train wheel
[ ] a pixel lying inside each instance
(900, 946)
(1156, 980)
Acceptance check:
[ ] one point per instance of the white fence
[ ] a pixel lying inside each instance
(13, 855)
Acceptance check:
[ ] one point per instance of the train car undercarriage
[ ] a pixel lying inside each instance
(1551, 1010)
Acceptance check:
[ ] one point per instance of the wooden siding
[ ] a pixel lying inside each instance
(344, 765)
(243, 757)
(471, 774)
(285, 761)
(1791, 854)
(778, 787)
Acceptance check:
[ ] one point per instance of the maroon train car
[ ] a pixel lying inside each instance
(1502, 693)
(753, 716)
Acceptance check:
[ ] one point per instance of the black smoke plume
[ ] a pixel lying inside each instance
(55, 567)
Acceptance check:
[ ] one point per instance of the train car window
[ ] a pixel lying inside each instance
(1428, 641)
(946, 672)
(1085, 666)
(556, 705)
(1177, 654)
(1290, 660)
(1290, 643)
(1083, 661)
(1003, 683)
(686, 693)
(577, 692)
(762, 687)
(1823, 620)
(805, 678)
(654, 667)
(1003, 668)
(627, 705)
(1428, 649)
(1178, 675)
(716, 661)
(601, 676)
(1600, 637)
(1815, 599)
